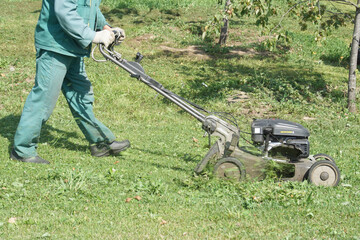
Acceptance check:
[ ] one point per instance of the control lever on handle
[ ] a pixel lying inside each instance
(138, 57)
(118, 37)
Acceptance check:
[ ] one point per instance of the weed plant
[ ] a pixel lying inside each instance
(150, 191)
(159, 4)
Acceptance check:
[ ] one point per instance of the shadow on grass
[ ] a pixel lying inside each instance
(120, 13)
(284, 81)
(9, 124)
(123, 10)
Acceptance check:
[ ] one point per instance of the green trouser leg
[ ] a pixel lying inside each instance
(56, 72)
(79, 94)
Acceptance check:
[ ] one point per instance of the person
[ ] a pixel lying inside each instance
(63, 37)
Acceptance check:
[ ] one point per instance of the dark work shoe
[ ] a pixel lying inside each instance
(106, 149)
(36, 159)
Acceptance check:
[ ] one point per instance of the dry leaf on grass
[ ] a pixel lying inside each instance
(29, 80)
(137, 198)
(308, 118)
(12, 220)
(128, 199)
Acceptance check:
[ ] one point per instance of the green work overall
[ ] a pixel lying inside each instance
(63, 37)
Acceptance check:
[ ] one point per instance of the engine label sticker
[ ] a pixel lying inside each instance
(257, 131)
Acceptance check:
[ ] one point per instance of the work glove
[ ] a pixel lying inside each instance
(105, 37)
(120, 32)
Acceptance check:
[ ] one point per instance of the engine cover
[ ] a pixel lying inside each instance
(277, 134)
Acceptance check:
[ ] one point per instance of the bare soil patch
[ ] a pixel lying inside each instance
(190, 51)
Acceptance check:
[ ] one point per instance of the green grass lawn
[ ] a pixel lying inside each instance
(150, 191)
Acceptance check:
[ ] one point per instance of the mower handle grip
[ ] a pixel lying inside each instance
(117, 41)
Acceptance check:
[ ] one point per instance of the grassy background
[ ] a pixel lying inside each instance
(82, 197)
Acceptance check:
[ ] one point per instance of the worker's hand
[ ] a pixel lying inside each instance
(105, 37)
(120, 32)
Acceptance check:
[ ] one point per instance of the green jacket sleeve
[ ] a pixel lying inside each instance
(100, 21)
(72, 23)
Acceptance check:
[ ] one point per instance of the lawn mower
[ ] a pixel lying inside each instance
(277, 142)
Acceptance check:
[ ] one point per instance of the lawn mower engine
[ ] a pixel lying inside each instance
(281, 138)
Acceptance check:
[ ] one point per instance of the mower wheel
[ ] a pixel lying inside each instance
(324, 173)
(322, 156)
(230, 168)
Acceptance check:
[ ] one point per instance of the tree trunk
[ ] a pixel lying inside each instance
(224, 30)
(353, 63)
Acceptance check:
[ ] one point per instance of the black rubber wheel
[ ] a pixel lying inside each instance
(324, 173)
(230, 168)
(323, 156)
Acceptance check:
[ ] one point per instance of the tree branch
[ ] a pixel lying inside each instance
(345, 2)
(283, 16)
